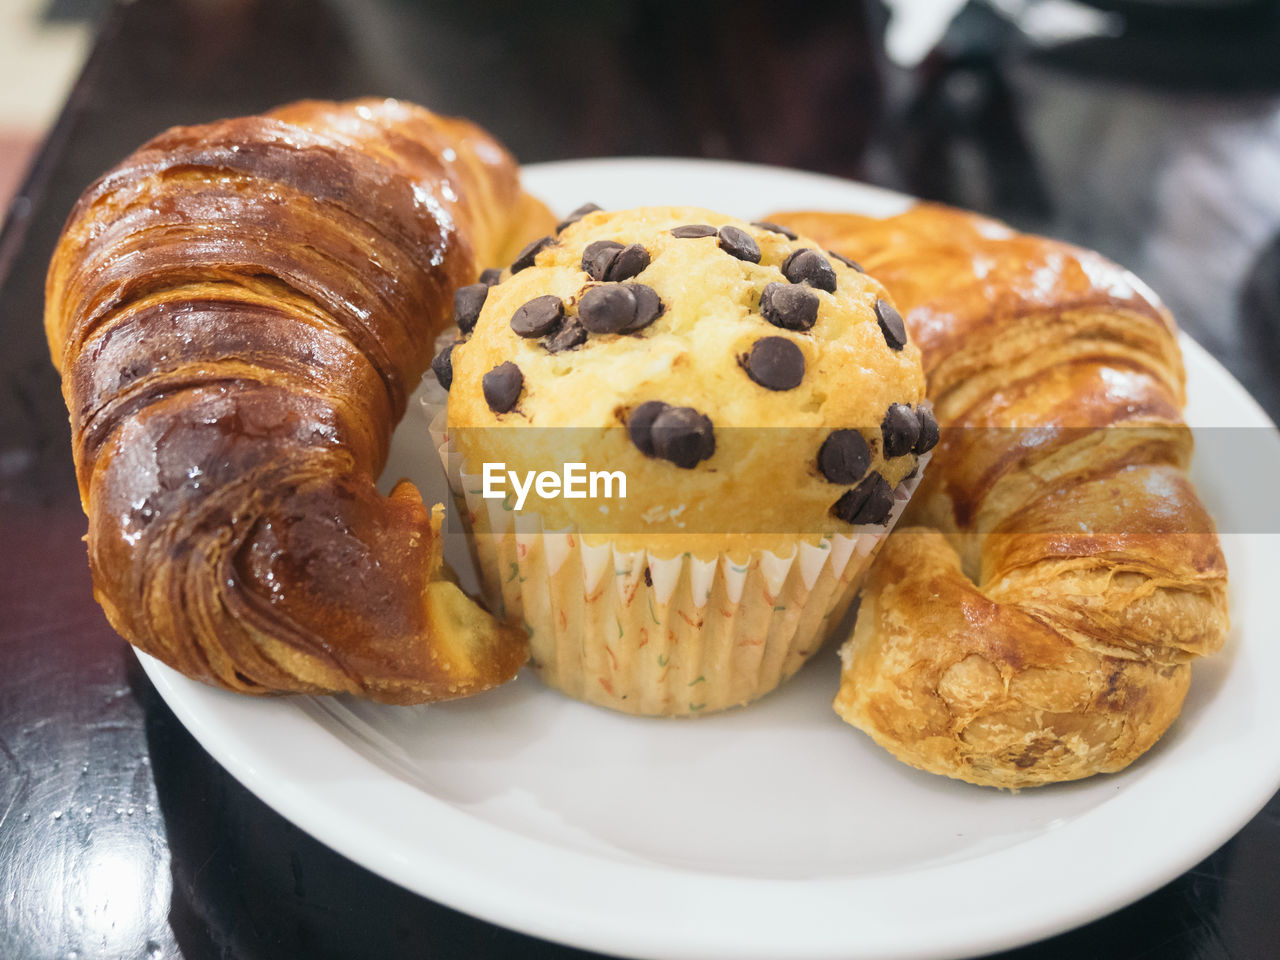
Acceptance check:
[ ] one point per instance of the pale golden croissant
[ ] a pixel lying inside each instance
(1041, 626)
(239, 312)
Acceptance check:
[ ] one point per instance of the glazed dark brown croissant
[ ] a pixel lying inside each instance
(239, 312)
(1040, 626)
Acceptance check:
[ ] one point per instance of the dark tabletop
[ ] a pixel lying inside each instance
(119, 836)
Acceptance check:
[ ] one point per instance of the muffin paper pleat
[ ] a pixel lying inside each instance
(697, 636)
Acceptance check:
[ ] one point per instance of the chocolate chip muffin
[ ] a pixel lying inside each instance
(760, 401)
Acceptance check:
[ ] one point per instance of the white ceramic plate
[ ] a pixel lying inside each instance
(776, 830)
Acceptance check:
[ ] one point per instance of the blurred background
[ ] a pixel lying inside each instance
(43, 44)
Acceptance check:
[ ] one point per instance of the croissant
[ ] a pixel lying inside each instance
(239, 312)
(1039, 622)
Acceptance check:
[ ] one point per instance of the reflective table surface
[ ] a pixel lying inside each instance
(119, 836)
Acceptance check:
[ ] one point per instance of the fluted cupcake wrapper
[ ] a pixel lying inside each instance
(692, 636)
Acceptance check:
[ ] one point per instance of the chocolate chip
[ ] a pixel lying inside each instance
(619, 307)
(738, 243)
(775, 363)
(846, 261)
(599, 256)
(629, 261)
(682, 435)
(526, 256)
(649, 307)
(691, 231)
(640, 424)
(774, 228)
(467, 302)
(844, 456)
(928, 438)
(610, 260)
(811, 267)
(788, 306)
(571, 334)
(890, 320)
(871, 501)
(502, 386)
(577, 215)
(900, 429)
(491, 276)
(607, 308)
(539, 317)
(442, 364)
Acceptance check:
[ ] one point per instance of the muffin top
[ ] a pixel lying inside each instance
(745, 381)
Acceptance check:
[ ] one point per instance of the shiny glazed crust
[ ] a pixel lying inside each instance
(239, 311)
(1039, 622)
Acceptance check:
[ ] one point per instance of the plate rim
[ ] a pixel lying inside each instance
(464, 878)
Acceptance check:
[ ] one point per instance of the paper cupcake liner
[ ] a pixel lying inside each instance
(693, 636)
